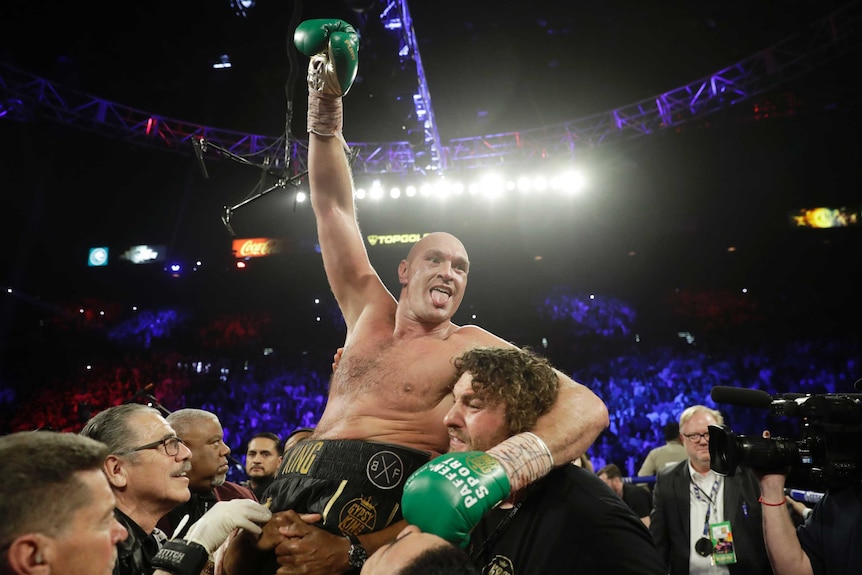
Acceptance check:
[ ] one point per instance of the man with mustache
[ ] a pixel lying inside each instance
(202, 432)
(147, 467)
(262, 458)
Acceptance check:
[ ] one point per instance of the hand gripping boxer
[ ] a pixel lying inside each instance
(449, 495)
(333, 47)
(189, 556)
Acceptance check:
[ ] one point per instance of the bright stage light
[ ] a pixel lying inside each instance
(570, 182)
(376, 191)
(301, 197)
(492, 186)
(442, 190)
(533, 180)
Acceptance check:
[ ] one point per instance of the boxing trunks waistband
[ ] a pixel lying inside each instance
(355, 485)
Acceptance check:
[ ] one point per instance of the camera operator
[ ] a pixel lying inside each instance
(692, 502)
(830, 540)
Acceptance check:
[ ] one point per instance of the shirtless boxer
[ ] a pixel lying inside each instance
(392, 386)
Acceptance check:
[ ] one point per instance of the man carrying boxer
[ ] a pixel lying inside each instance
(389, 394)
(566, 522)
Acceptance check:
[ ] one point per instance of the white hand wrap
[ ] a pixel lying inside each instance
(325, 114)
(525, 457)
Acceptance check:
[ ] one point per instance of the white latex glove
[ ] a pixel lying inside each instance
(213, 528)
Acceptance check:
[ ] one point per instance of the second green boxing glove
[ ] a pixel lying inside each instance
(449, 495)
(333, 46)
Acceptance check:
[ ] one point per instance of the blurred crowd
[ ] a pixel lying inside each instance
(644, 386)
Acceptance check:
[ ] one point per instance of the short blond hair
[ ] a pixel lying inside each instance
(693, 410)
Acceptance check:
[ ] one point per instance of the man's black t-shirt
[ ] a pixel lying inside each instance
(569, 522)
(638, 498)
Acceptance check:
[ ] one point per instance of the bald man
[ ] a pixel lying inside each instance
(391, 388)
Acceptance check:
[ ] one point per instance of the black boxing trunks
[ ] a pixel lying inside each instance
(355, 485)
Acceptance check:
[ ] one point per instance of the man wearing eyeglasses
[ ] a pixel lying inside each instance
(147, 468)
(704, 523)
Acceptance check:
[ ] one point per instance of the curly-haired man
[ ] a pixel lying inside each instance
(567, 522)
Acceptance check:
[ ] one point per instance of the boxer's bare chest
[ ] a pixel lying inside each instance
(415, 372)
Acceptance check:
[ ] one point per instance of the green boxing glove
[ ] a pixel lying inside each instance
(449, 495)
(333, 46)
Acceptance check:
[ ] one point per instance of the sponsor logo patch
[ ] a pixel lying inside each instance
(385, 470)
(482, 463)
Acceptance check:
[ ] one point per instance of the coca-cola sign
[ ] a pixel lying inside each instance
(257, 247)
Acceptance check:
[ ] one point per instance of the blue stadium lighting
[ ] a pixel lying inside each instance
(241, 7)
(222, 63)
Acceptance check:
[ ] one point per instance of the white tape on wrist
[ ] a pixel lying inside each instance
(525, 457)
(325, 114)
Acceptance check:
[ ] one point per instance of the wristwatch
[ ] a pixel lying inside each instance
(357, 554)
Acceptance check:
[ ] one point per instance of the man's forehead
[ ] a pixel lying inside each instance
(207, 430)
(444, 252)
(442, 242)
(464, 390)
(464, 384)
(700, 419)
(261, 444)
(147, 421)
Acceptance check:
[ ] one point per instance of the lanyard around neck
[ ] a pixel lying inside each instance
(709, 499)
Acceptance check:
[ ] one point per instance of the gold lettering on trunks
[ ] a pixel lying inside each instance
(357, 516)
(301, 457)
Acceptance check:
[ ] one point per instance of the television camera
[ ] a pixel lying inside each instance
(827, 454)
